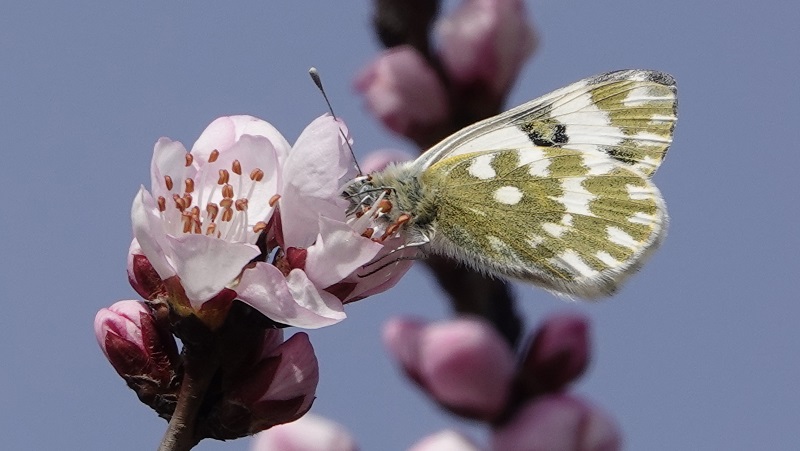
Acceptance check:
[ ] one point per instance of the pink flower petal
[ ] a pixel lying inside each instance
(292, 300)
(558, 423)
(314, 172)
(207, 264)
(219, 135)
(148, 230)
(309, 433)
(447, 440)
(249, 125)
(337, 252)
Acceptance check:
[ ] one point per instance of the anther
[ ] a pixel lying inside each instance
(260, 227)
(256, 175)
(385, 206)
(368, 233)
(224, 176)
(402, 219)
(162, 203)
(236, 167)
(180, 204)
(188, 199)
(274, 199)
(168, 182)
(187, 222)
(212, 209)
(188, 185)
(241, 204)
(214, 155)
(189, 159)
(211, 229)
(227, 191)
(226, 203)
(227, 214)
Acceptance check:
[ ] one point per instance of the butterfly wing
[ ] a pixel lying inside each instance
(628, 115)
(574, 222)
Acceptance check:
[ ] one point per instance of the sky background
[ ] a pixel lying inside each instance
(701, 350)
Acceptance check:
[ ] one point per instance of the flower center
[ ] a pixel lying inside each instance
(193, 208)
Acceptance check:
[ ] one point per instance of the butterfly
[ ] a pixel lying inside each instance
(556, 192)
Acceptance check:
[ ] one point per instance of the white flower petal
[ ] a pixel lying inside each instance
(169, 158)
(148, 230)
(249, 125)
(219, 135)
(207, 264)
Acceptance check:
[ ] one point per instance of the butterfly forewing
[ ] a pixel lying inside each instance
(571, 221)
(629, 115)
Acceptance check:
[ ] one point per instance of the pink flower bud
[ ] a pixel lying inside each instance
(447, 440)
(467, 366)
(401, 336)
(309, 433)
(144, 354)
(486, 42)
(558, 423)
(141, 274)
(558, 354)
(280, 387)
(379, 159)
(464, 364)
(403, 91)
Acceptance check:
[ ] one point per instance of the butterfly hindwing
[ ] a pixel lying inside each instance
(573, 222)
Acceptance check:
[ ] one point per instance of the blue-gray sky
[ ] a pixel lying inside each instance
(701, 350)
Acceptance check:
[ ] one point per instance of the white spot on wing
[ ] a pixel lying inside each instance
(607, 259)
(534, 240)
(537, 161)
(644, 218)
(509, 195)
(571, 258)
(639, 96)
(619, 236)
(481, 167)
(554, 229)
(639, 192)
(576, 198)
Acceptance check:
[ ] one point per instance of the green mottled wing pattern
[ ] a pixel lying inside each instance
(574, 222)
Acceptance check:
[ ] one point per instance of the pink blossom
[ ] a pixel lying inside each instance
(200, 220)
(558, 423)
(558, 354)
(309, 433)
(447, 440)
(195, 236)
(136, 347)
(403, 91)
(464, 364)
(486, 42)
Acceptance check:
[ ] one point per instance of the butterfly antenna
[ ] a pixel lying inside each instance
(314, 73)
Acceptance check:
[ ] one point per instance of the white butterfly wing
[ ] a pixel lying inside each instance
(629, 115)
